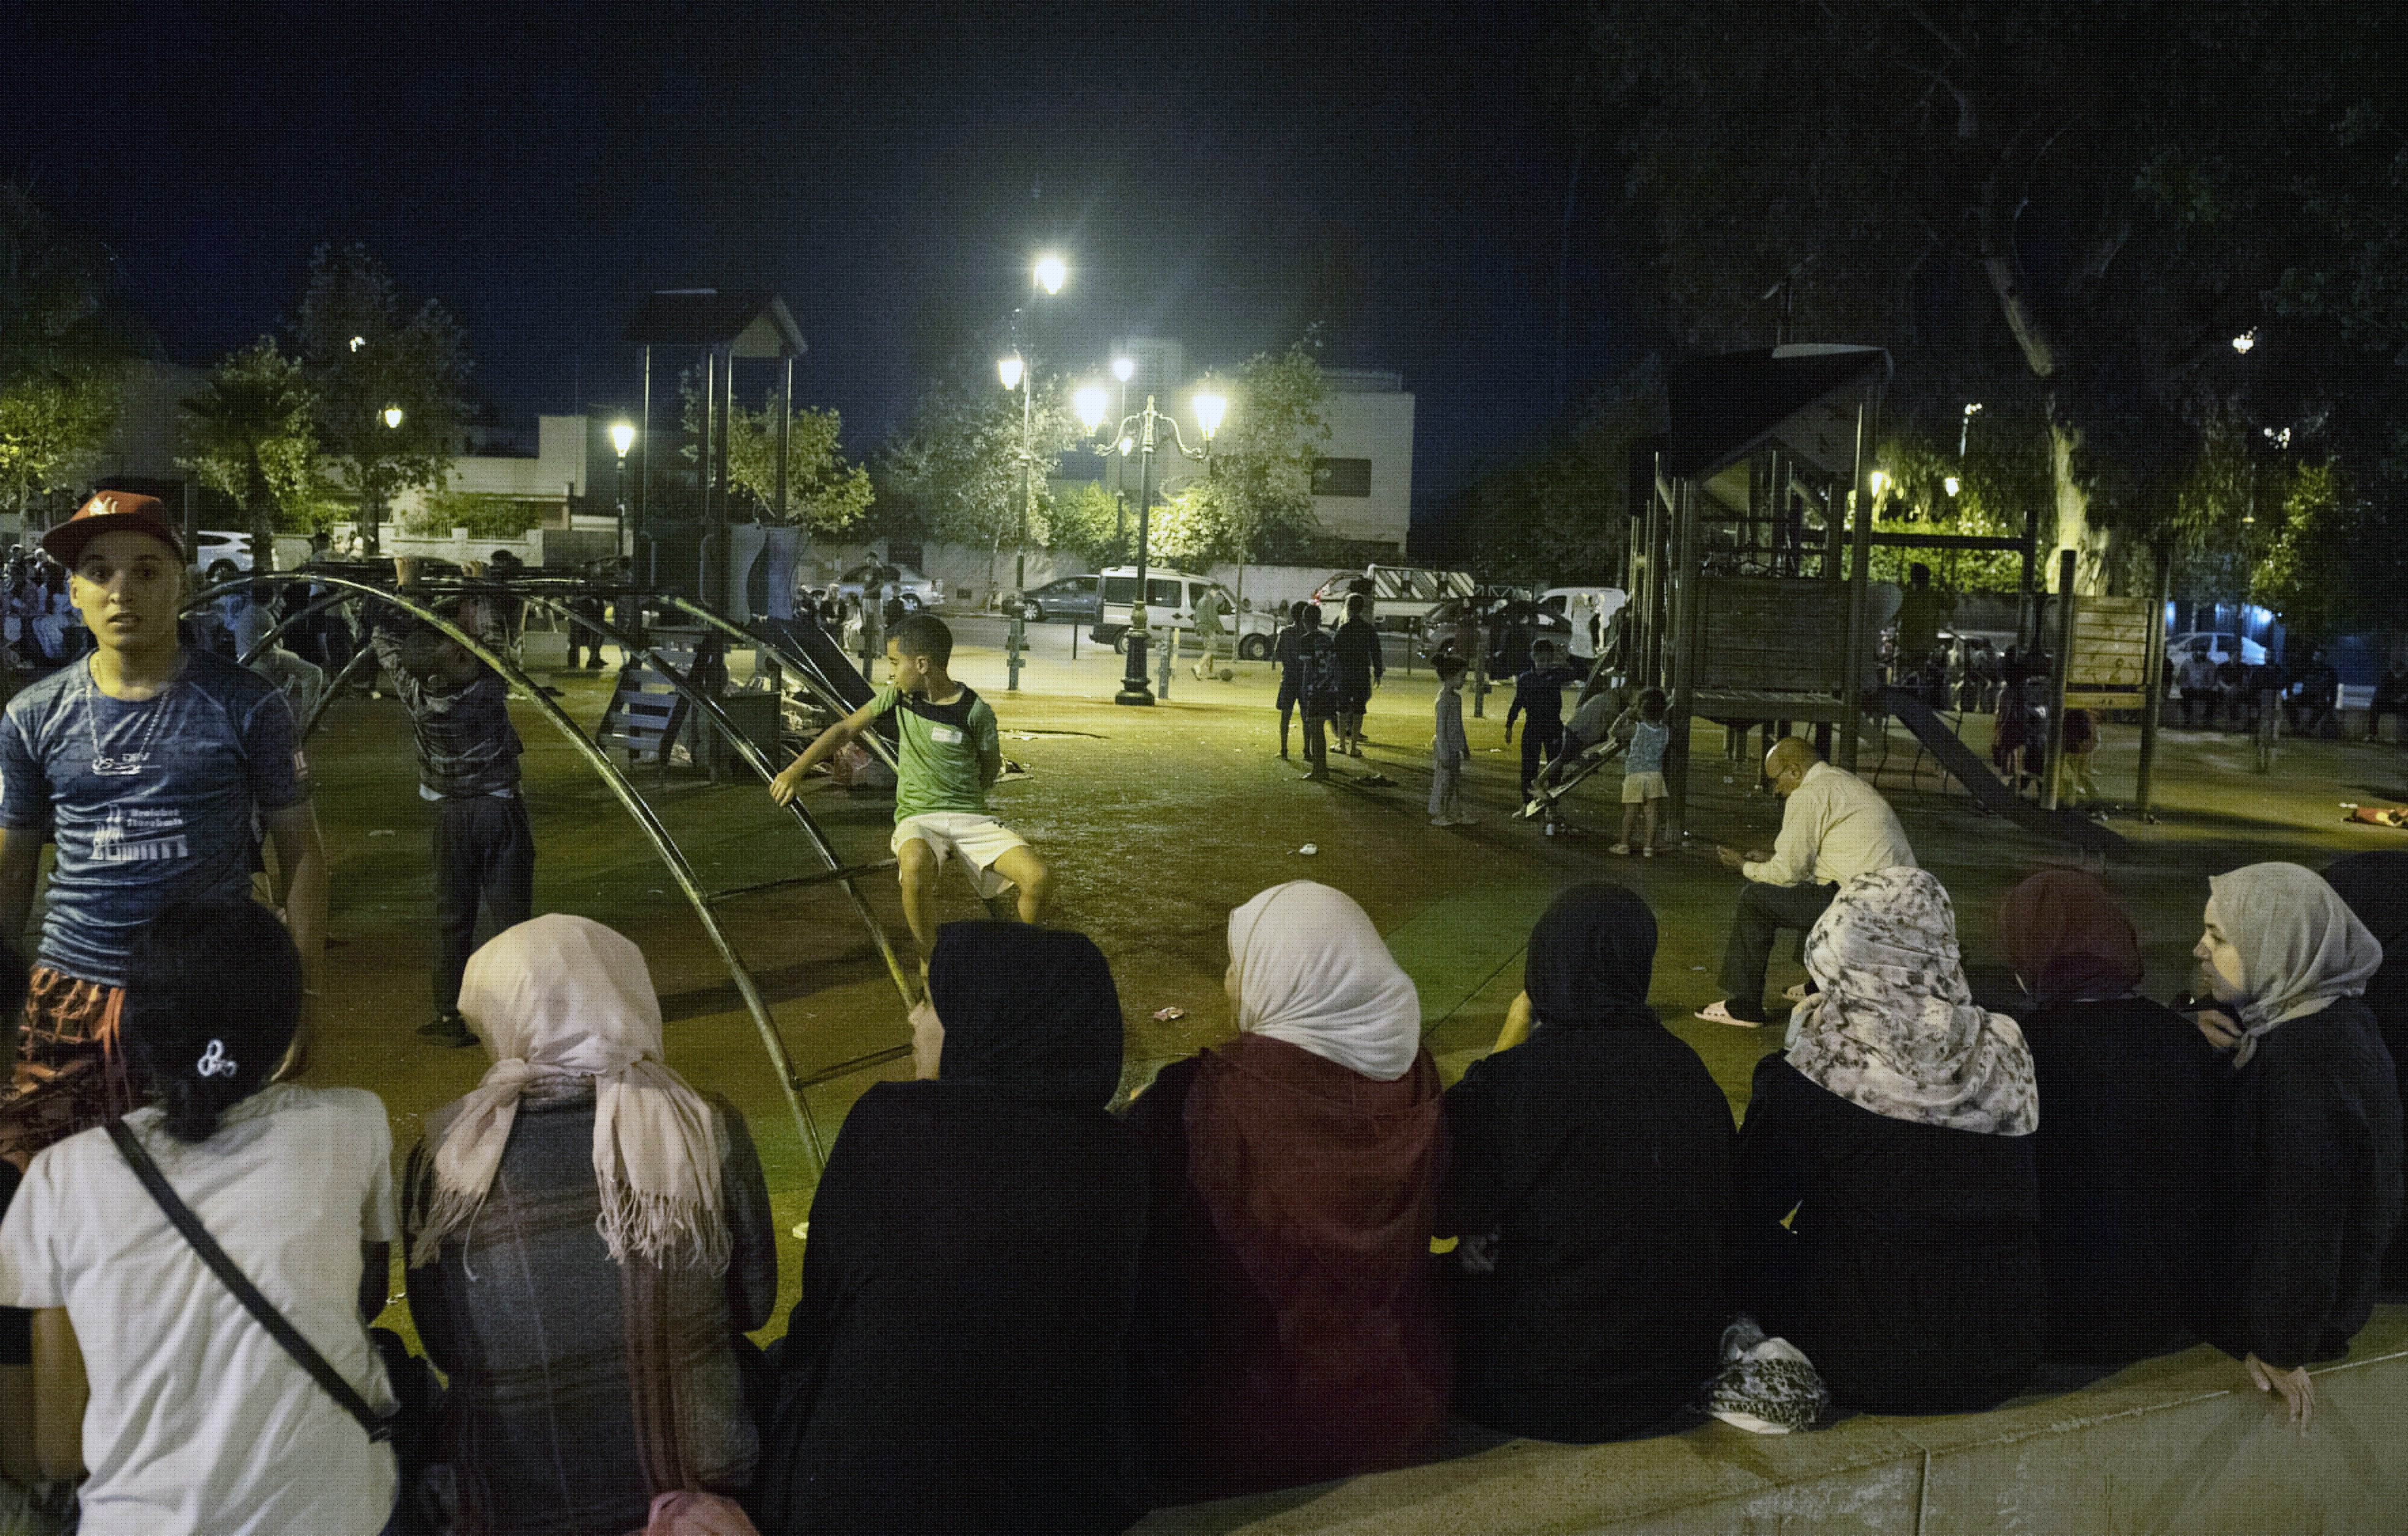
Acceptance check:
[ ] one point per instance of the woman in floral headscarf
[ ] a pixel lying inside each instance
(2130, 1153)
(1898, 1128)
(2312, 1150)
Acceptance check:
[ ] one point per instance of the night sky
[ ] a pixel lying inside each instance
(1215, 172)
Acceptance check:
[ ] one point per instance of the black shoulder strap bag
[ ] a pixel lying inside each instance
(378, 1426)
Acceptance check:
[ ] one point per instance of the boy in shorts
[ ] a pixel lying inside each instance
(949, 753)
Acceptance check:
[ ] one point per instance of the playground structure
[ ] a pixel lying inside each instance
(1749, 570)
(814, 678)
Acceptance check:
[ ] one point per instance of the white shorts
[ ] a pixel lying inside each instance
(980, 840)
(1640, 788)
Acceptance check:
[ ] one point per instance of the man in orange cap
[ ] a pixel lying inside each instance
(146, 763)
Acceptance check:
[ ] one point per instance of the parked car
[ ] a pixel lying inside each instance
(919, 591)
(221, 555)
(1070, 597)
(1400, 594)
(2218, 647)
(1608, 601)
(1513, 624)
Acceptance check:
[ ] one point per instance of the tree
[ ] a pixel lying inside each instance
(62, 358)
(2079, 202)
(252, 434)
(1255, 504)
(823, 493)
(363, 356)
(956, 468)
(1559, 515)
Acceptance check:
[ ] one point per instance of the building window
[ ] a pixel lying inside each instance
(1341, 476)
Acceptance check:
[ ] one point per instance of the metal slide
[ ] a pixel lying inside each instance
(554, 598)
(1988, 791)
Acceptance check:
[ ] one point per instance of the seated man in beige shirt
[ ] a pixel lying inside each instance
(1834, 827)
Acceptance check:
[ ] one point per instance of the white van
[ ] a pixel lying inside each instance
(1605, 601)
(1170, 599)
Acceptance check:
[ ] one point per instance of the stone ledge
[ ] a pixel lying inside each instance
(2174, 1445)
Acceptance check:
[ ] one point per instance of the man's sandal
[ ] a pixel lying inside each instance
(1720, 1014)
(1796, 994)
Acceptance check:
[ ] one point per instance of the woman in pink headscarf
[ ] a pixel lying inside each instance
(1290, 1328)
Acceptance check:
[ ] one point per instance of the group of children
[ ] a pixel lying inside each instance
(1550, 744)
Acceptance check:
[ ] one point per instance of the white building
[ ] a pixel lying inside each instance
(551, 479)
(1363, 485)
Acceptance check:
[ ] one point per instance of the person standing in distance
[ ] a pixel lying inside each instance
(1360, 670)
(950, 752)
(1316, 669)
(146, 763)
(1285, 655)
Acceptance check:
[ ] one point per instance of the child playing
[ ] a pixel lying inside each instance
(1643, 770)
(1449, 750)
(469, 768)
(949, 753)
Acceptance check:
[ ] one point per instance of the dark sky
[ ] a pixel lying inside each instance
(1217, 172)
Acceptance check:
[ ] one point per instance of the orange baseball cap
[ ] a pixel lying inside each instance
(109, 511)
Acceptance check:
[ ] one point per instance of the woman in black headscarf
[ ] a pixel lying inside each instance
(1590, 1187)
(2376, 886)
(2128, 1150)
(956, 1362)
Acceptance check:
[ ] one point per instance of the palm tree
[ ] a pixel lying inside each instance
(251, 433)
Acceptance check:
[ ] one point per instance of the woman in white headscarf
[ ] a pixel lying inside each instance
(2315, 1133)
(1289, 1328)
(588, 1240)
(1894, 1137)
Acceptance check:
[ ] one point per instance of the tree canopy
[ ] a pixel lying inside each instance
(1996, 190)
(363, 354)
(62, 354)
(823, 493)
(1257, 502)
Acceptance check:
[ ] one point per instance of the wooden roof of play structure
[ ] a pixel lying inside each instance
(748, 322)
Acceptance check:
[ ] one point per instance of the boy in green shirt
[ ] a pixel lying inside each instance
(949, 753)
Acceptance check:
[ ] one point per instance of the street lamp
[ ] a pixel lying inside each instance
(1142, 433)
(1051, 272)
(1047, 276)
(623, 437)
(1951, 485)
(392, 416)
(2246, 340)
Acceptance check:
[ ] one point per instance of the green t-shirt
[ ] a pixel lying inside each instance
(948, 753)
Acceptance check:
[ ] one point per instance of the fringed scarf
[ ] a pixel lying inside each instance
(560, 999)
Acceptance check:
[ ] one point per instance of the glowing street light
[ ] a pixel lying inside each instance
(2246, 340)
(358, 342)
(1951, 485)
(1091, 404)
(1211, 406)
(1878, 480)
(1124, 368)
(1051, 272)
(1009, 368)
(393, 417)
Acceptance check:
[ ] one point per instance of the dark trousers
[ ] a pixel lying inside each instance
(485, 850)
(1316, 738)
(1538, 743)
(580, 638)
(1764, 911)
(2209, 700)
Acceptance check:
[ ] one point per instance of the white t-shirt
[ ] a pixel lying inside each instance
(199, 1421)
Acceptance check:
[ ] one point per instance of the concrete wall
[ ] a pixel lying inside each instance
(555, 476)
(2176, 1446)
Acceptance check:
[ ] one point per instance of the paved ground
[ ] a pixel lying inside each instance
(1157, 822)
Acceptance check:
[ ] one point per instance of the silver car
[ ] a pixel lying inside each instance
(917, 590)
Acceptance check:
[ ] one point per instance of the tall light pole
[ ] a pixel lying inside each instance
(392, 415)
(1143, 432)
(623, 437)
(1046, 275)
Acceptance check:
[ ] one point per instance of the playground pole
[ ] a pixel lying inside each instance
(1852, 682)
(2153, 708)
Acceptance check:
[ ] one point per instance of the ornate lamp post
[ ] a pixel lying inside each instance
(392, 415)
(623, 437)
(1142, 433)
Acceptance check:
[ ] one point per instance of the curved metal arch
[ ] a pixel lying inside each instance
(664, 845)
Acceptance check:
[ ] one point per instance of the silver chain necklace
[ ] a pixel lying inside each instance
(135, 761)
